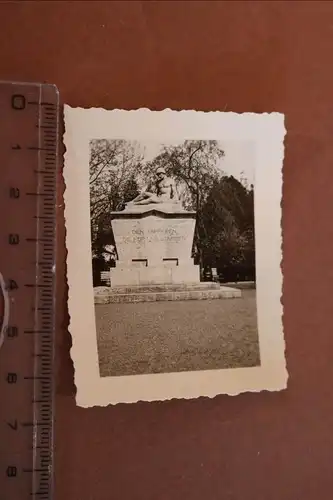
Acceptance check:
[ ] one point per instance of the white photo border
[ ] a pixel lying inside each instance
(267, 131)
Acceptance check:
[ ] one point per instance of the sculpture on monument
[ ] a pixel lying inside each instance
(163, 191)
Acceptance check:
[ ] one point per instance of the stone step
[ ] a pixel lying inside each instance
(221, 293)
(172, 287)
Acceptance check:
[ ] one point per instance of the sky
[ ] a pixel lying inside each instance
(238, 160)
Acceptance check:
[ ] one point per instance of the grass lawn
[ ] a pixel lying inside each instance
(158, 337)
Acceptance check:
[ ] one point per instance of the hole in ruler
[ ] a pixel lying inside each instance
(4, 309)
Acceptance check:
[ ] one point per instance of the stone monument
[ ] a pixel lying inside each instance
(154, 238)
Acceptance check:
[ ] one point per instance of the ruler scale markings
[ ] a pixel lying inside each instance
(36, 146)
(46, 363)
(37, 194)
(44, 342)
(33, 331)
(42, 103)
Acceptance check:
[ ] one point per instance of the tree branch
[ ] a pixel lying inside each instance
(99, 173)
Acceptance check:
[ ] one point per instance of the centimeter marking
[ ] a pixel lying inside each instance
(35, 110)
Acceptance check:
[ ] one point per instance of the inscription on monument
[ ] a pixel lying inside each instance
(152, 235)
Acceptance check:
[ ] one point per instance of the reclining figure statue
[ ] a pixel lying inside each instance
(164, 191)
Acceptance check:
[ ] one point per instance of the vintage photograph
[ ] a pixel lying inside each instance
(173, 255)
(174, 241)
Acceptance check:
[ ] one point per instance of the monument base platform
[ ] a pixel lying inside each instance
(168, 292)
(122, 276)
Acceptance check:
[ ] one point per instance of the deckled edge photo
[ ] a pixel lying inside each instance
(267, 131)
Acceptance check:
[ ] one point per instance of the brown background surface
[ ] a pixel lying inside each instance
(242, 56)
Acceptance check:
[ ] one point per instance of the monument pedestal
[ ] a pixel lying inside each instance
(125, 275)
(154, 247)
(157, 293)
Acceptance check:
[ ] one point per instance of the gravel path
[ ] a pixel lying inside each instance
(162, 337)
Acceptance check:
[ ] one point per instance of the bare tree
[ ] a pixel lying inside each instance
(193, 164)
(114, 164)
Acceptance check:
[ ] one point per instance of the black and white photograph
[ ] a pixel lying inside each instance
(173, 255)
(174, 245)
